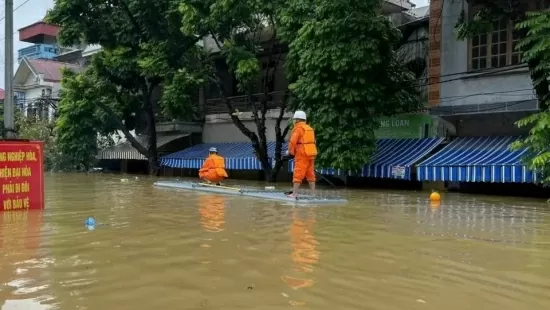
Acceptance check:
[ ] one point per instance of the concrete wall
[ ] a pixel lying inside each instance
(479, 125)
(223, 130)
(460, 87)
(230, 85)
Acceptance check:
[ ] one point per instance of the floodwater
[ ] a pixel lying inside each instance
(169, 249)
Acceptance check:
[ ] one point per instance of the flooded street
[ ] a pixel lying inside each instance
(169, 249)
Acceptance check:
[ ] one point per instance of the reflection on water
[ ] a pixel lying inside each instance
(211, 209)
(22, 269)
(170, 249)
(304, 255)
(468, 218)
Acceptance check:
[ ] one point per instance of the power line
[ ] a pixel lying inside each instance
(15, 9)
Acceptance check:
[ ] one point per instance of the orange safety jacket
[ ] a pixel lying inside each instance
(214, 162)
(302, 141)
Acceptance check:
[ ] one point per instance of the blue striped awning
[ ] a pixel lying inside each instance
(238, 156)
(477, 159)
(392, 159)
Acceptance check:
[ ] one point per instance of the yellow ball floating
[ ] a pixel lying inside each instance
(435, 197)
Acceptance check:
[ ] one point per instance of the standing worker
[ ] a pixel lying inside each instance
(213, 169)
(302, 147)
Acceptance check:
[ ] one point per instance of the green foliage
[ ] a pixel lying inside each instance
(536, 47)
(480, 23)
(238, 29)
(345, 73)
(143, 50)
(536, 52)
(55, 159)
(81, 123)
(242, 30)
(537, 143)
(489, 11)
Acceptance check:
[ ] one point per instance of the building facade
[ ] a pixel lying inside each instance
(37, 85)
(480, 85)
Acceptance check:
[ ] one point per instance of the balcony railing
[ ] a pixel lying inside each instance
(45, 51)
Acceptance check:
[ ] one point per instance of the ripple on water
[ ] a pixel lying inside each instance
(171, 249)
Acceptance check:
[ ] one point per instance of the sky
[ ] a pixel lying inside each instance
(31, 11)
(420, 3)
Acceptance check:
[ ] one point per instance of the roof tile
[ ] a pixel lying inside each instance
(51, 69)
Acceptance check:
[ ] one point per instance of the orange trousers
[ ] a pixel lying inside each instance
(304, 168)
(211, 175)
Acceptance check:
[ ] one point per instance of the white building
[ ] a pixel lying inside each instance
(37, 83)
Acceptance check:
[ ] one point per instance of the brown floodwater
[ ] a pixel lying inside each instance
(168, 249)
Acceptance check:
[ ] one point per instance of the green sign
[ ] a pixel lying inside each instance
(406, 127)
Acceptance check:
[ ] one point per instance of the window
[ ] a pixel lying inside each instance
(497, 48)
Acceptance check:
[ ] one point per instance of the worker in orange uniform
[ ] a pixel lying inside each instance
(213, 169)
(302, 147)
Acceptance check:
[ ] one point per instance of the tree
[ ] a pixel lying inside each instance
(243, 31)
(345, 73)
(143, 49)
(55, 159)
(536, 51)
(81, 125)
(534, 30)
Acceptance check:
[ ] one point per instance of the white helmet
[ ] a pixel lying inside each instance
(213, 150)
(299, 115)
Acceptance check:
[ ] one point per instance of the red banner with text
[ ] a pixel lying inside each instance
(21, 175)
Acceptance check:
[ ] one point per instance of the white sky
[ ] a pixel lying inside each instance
(32, 11)
(420, 3)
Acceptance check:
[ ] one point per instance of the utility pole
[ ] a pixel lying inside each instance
(9, 123)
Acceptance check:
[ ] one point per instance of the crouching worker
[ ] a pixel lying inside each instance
(302, 147)
(213, 169)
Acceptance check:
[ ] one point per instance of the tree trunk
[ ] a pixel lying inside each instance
(280, 136)
(275, 171)
(152, 155)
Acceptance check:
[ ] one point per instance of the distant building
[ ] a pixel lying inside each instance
(478, 84)
(37, 84)
(43, 37)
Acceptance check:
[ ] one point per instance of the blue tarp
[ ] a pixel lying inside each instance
(392, 159)
(238, 156)
(477, 159)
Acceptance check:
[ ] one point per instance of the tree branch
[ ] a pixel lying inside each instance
(234, 117)
(133, 21)
(281, 115)
(133, 141)
(218, 44)
(271, 48)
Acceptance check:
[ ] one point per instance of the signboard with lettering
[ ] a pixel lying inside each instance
(21, 175)
(398, 172)
(411, 126)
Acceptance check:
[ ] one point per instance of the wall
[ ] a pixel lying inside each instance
(33, 91)
(460, 88)
(222, 132)
(230, 85)
(498, 124)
